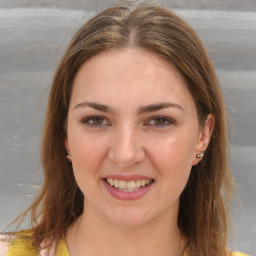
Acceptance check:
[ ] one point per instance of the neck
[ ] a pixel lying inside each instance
(159, 237)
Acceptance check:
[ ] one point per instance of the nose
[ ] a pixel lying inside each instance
(126, 148)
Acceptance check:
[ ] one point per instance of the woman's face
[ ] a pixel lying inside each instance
(133, 134)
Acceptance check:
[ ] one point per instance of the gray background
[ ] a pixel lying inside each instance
(33, 36)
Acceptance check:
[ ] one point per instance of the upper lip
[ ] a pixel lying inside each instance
(127, 177)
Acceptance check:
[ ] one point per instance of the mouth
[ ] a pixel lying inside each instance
(128, 186)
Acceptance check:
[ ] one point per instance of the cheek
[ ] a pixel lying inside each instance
(87, 155)
(172, 158)
(173, 151)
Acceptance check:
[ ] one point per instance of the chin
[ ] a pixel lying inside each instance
(128, 218)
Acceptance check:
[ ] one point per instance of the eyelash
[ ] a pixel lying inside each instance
(167, 121)
(93, 118)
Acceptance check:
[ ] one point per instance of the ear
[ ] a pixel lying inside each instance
(68, 155)
(66, 144)
(204, 138)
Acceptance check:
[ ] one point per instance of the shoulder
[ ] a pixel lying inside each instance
(14, 245)
(3, 246)
(238, 254)
(229, 253)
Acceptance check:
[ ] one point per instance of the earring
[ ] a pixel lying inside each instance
(200, 155)
(69, 157)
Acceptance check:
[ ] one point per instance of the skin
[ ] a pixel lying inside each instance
(130, 138)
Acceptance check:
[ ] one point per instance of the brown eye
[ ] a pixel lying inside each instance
(95, 121)
(160, 121)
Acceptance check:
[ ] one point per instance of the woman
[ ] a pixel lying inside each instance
(134, 144)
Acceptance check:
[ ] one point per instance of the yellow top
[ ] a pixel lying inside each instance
(20, 248)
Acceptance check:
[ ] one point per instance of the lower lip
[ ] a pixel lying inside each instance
(122, 195)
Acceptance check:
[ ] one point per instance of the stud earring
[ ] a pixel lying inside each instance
(69, 157)
(200, 155)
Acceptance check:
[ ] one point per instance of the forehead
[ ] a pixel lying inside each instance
(129, 75)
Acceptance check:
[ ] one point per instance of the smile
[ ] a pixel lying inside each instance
(128, 186)
(129, 189)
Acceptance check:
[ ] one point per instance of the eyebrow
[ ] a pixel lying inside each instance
(94, 105)
(158, 106)
(141, 110)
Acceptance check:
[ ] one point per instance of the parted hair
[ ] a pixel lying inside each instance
(203, 212)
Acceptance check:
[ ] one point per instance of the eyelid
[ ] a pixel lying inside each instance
(168, 119)
(86, 120)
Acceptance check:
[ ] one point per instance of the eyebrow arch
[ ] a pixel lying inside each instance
(94, 105)
(158, 106)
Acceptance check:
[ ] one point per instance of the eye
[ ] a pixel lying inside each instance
(160, 121)
(95, 121)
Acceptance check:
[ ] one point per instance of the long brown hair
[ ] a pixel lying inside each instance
(203, 213)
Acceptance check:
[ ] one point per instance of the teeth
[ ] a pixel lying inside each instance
(121, 184)
(131, 185)
(111, 182)
(128, 186)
